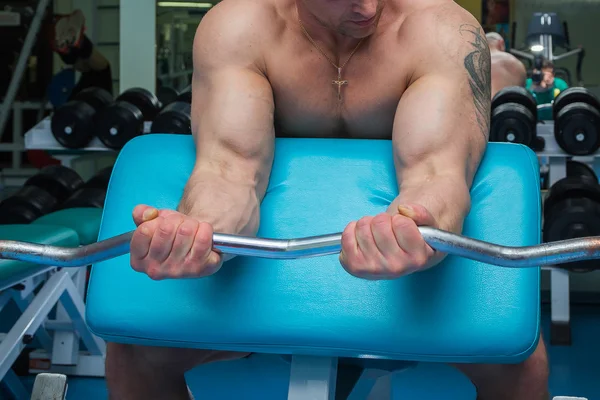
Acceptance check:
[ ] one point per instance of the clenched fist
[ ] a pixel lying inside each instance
(388, 245)
(168, 244)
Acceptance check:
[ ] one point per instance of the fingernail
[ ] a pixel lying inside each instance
(407, 211)
(149, 214)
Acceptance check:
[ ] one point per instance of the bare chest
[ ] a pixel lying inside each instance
(313, 100)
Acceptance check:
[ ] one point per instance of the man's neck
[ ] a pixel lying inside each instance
(335, 44)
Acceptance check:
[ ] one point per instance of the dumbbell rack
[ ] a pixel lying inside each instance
(40, 138)
(555, 159)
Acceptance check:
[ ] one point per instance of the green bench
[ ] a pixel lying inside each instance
(36, 294)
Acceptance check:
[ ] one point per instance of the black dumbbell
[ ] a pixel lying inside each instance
(124, 120)
(514, 118)
(60, 181)
(185, 95)
(72, 124)
(92, 193)
(572, 210)
(26, 205)
(577, 121)
(40, 194)
(85, 198)
(576, 168)
(167, 95)
(175, 118)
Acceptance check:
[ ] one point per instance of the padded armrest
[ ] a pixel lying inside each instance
(459, 311)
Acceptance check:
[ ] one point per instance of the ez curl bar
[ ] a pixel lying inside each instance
(512, 257)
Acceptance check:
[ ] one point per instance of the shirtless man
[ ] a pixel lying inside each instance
(418, 74)
(507, 70)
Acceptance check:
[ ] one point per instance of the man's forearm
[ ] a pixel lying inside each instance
(446, 198)
(230, 207)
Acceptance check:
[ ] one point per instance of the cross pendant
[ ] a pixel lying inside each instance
(339, 82)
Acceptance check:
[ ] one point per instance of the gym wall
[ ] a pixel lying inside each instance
(472, 6)
(582, 18)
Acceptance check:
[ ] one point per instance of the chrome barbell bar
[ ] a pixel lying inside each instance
(445, 242)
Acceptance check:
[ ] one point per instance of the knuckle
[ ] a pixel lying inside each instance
(204, 235)
(359, 269)
(155, 273)
(144, 231)
(381, 219)
(398, 269)
(401, 222)
(136, 265)
(205, 226)
(349, 230)
(419, 260)
(364, 223)
(165, 230)
(187, 228)
(174, 270)
(348, 240)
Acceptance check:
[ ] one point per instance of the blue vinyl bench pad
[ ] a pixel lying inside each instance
(459, 311)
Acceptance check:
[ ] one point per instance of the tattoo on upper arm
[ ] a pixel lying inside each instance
(478, 66)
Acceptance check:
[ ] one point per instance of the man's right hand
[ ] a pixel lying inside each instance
(168, 244)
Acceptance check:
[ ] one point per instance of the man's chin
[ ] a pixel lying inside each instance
(359, 32)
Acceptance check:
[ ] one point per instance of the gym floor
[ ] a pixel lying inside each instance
(573, 370)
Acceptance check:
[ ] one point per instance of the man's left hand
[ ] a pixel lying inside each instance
(388, 245)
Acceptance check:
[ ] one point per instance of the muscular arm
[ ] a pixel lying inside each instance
(442, 122)
(232, 123)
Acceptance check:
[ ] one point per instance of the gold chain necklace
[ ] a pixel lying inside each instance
(339, 82)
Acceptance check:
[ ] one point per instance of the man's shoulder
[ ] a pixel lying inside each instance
(435, 15)
(442, 28)
(509, 62)
(239, 18)
(235, 30)
(247, 8)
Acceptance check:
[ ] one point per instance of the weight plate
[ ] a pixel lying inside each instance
(118, 124)
(512, 123)
(72, 124)
(27, 204)
(58, 180)
(100, 180)
(571, 187)
(186, 96)
(96, 97)
(144, 100)
(174, 118)
(516, 94)
(574, 95)
(17, 214)
(166, 95)
(576, 168)
(573, 218)
(86, 198)
(576, 129)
